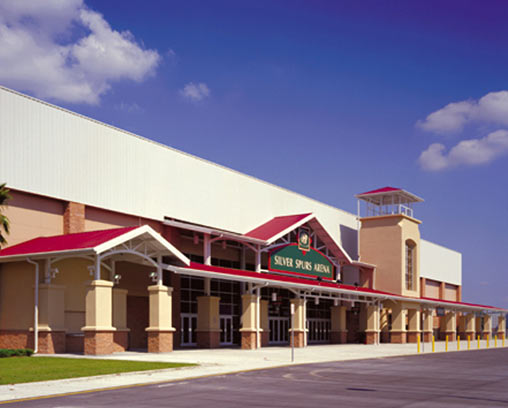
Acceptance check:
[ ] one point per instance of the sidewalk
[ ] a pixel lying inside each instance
(216, 362)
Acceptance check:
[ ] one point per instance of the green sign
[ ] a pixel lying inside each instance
(289, 258)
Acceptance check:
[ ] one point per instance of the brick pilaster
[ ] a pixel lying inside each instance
(74, 218)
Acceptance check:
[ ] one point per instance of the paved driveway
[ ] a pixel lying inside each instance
(473, 379)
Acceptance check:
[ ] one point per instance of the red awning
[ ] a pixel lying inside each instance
(91, 243)
(277, 226)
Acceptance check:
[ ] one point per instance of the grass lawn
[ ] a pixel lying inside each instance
(15, 370)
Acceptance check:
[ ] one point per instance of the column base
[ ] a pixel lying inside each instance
(427, 336)
(299, 339)
(51, 342)
(249, 340)
(160, 341)
(452, 336)
(501, 335)
(412, 336)
(208, 339)
(98, 342)
(338, 337)
(486, 335)
(398, 337)
(265, 338)
(385, 336)
(463, 335)
(371, 337)
(15, 339)
(121, 340)
(471, 336)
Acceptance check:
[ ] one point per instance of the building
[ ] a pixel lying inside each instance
(121, 243)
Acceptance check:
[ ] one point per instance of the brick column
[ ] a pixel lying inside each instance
(428, 325)
(51, 319)
(501, 326)
(121, 335)
(338, 333)
(299, 322)
(398, 332)
(249, 322)
(160, 332)
(423, 284)
(208, 329)
(265, 324)
(487, 327)
(413, 316)
(450, 326)
(372, 330)
(74, 218)
(470, 325)
(98, 318)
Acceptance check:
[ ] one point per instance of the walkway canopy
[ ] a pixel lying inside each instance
(134, 244)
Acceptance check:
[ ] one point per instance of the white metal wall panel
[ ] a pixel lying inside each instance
(440, 263)
(53, 152)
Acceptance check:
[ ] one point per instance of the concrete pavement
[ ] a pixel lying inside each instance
(216, 362)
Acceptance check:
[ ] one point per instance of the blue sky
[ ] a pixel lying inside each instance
(259, 86)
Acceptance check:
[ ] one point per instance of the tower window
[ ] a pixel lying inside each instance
(410, 265)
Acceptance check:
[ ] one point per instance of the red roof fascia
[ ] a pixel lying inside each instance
(460, 303)
(57, 243)
(275, 226)
(280, 278)
(381, 190)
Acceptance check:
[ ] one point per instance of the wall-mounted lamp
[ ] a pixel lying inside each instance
(336, 302)
(117, 278)
(274, 296)
(153, 276)
(316, 301)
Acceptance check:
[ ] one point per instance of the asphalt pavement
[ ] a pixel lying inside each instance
(465, 379)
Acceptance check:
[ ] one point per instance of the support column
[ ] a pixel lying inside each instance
(413, 316)
(98, 318)
(487, 327)
(398, 332)
(470, 325)
(383, 322)
(51, 319)
(208, 329)
(462, 325)
(299, 322)
(501, 326)
(265, 324)
(121, 335)
(451, 326)
(428, 325)
(338, 333)
(160, 331)
(249, 322)
(372, 330)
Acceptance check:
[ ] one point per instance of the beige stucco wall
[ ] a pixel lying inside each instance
(99, 219)
(17, 296)
(382, 243)
(32, 216)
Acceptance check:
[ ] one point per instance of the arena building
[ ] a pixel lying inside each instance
(118, 242)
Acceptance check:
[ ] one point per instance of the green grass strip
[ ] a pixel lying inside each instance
(15, 370)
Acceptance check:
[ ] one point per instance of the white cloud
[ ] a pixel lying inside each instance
(39, 51)
(491, 108)
(467, 152)
(195, 92)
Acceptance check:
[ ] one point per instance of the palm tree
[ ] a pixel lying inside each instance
(4, 221)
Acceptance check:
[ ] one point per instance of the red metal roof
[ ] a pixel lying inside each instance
(460, 303)
(381, 190)
(281, 278)
(68, 242)
(275, 226)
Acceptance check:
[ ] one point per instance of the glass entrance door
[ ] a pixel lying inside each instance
(189, 322)
(226, 327)
(319, 330)
(279, 330)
